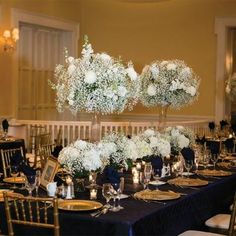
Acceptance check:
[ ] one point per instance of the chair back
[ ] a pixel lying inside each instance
(6, 155)
(31, 211)
(232, 223)
(45, 151)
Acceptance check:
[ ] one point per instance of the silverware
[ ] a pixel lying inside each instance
(99, 212)
(102, 212)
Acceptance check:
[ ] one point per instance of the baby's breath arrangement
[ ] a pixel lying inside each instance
(95, 83)
(230, 88)
(168, 83)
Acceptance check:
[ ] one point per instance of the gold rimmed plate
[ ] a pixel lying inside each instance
(14, 180)
(79, 205)
(216, 173)
(156, 195)
(188, 182)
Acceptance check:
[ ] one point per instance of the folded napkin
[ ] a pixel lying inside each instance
(211, 125)
(188, 154)
(5, 125)
(233, 127)
(56, 151)
(214, 146)
(201, 140)
(16, 159)
(27, 170)
(223, 123)
(110, 175)
(157, 162)
(229, 144)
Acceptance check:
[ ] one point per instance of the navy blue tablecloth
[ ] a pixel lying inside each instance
(141, 218)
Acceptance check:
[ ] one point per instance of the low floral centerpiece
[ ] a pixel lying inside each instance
(168, 84)
(179, 137)
(80, 158)
(230, 87)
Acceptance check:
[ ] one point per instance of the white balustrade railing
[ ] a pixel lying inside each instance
(72, 130)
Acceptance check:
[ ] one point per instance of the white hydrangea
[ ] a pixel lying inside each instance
(183, 141)
(151, 90)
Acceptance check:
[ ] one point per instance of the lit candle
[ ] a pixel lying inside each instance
(135, 180)
(134, 170)
(138, 166)
(143, 163)
(90, 177)
(93, 193)
(68, 179)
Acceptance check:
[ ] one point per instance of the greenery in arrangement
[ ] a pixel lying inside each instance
(179, 137)
(168, 83)
(95, 83)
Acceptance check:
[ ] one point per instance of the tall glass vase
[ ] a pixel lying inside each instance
(162, 116)
(95, 129)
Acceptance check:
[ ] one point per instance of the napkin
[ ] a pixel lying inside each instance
(16, 159)
(223, 123)
(27, 170)
(211, 125)
(110, 175)
(157, 162)
(214, 146)
(56, 151)
(201, 140)
(5, 125)
(229, 144)
(188, 153)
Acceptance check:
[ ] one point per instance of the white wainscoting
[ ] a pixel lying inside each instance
(72, 130)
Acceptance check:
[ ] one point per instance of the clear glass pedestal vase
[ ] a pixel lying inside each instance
(162, 116)
(95, 129)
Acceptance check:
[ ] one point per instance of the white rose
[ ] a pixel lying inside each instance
(90, 77)
(153, 142)
(131, 73)
(183, 141)
(191, 90)
(171, 66)
(105, 57)
(71, 69)
(122, 91)
(80, 144)
(154, 69)
(151, 90)
(149, 132)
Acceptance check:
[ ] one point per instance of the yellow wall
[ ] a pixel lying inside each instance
(141, 31)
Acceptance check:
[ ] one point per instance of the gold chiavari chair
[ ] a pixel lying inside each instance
(6, 155)
(31, 211)
(219, 224)
(45, 151)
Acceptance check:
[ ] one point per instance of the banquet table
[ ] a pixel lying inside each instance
(142, 218)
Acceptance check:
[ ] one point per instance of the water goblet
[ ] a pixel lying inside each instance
(188, 164)
(143, 180)
(38, 181)
(14, 171)
(30, 183)
(206, 158)
(107, 193)
(147, 172)
(116, 192)
(214, 159)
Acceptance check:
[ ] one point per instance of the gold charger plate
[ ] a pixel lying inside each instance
(14, 180)
(9, 193)
(216, 173)
(227, 165)
(188, 182)
(156, 195)
(79, 205)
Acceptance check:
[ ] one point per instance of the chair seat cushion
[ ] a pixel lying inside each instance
(220, 221)
(197, 233)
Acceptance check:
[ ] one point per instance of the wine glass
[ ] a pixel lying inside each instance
(38, 181)
(206, 158)
(188, 164)
(14, 171)
(30, 183)
(116, 192)
(147, 172)
(143, 180)
(118, 187)
(214, 159)
(107, 193)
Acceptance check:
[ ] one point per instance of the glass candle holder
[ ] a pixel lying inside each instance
(93, 193)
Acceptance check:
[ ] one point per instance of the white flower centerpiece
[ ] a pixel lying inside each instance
(80, 158)
(230, 87)
(179, 137)
(95, 83)
(168, 84)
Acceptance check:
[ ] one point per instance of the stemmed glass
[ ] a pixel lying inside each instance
(14, 171)
(214, 159)
(38, 181)
(30, 183)
(188, 163)
(117, 191)
(147, 172)
(143, 180)
(206, 158)
(107, 193)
